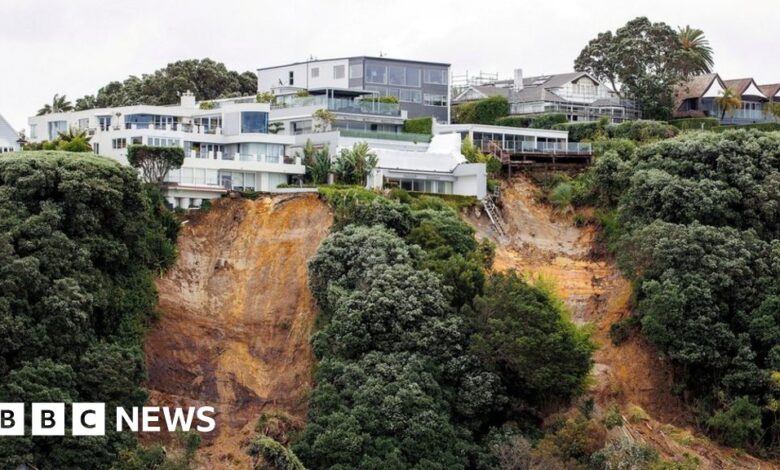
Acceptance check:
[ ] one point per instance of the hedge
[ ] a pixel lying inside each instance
(761, 126)
(485, 111)
(695, 123)
(422, 125)
(539, 121)
(638, 131)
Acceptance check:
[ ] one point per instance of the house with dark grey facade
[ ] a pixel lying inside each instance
(422, 88)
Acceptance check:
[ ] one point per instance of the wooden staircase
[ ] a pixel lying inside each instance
(494, 148)
(494, 214)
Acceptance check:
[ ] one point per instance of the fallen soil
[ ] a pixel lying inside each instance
(236, 317)
(544, 245)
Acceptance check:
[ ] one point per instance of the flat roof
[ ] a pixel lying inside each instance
(388, 59)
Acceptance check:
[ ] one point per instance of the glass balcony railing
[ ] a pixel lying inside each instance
(343, 105)
(402, 136)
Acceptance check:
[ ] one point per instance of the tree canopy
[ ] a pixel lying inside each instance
(644, 61)
(206, 78)
(155, 162)
(79, 243)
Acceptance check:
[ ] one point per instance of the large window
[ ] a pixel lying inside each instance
(436, 76)
(162, 141)
(119, 143)
(104, 122)
(291, 78)
(254, 122)
(376, 73)
(356, 71)
(315, 72)
(413, 76)
(396, 75)
(435, 100)
(410, 96)
(338, 71)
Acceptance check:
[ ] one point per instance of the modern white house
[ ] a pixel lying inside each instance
(226, 143)
(440, 169)
(9, 138)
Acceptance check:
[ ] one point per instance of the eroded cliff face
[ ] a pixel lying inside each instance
(236, 317)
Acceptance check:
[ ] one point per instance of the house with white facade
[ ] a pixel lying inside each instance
(578, 95)
(226, 144)
(9, 138)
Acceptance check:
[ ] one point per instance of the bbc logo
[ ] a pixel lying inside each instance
(48, 419)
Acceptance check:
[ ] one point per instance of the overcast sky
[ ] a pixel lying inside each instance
(76, 46)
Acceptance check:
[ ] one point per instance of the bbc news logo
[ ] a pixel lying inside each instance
(89, 419)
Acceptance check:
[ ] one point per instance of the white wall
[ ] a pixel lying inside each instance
(270, 78)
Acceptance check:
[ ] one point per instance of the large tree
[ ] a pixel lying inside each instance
(206, 78)
(643, 61)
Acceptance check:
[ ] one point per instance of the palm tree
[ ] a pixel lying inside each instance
(73, 134)
(695, 53)
(320, 166)
(728, 101)
(353, 165)
(59, 104)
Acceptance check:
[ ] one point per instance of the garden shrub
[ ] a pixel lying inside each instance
(422, 125)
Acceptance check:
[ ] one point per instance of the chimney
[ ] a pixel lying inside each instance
(188, 99)
(518, 82)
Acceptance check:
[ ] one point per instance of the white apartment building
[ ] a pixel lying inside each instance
(9, 139)
(226, 143)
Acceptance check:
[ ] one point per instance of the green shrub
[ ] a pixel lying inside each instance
(561, 195)
(583, 131)
(621, 331)
(539, 121)
(761, 126)
(695, 124)
(422, 125)
(612, 417)
(739, 425)
(484, 111)
(642, 130)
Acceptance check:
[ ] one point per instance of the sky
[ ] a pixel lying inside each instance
(76, 46)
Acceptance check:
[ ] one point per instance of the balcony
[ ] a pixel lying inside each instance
(178, 127)
(400, 136)
(341, 105)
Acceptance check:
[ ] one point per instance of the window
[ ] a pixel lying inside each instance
(33, 131)
(396, 75)
(381, 91)
(315, 72)
(410, 96)
(291, 78)
(160, 141)
(83, 123)
(136, 141)
(413, 76)
(254, 122)
(104, 122)
(376, 73)
(435, 100)
(356, 71)
(338, 71)
(436, 76)
(119, 143)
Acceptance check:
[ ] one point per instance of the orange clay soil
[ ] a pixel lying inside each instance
(541, 244)
(236, 316)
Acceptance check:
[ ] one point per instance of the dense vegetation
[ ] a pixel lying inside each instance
(694, 221)
(206, 78)
(423, 356)
(80, 241)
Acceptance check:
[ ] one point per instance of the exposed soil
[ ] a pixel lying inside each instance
(236, 317)
(540, 243)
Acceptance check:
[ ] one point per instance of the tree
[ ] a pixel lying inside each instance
(74, 140)
(207, 79)
(78, 242)
(324, 120)
(353, 165)
(265, 97)
(155, 162)
(641, 61)
(320, 167)
(773, 108)
(728, 101)
(59, 104)
(484, 111)
(695, 56)
(524, 337)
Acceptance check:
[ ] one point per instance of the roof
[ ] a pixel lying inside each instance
(770, 90)
(739, 85)
(443, 156)
(538, 88)
(8, 135)
(695, 87)
(387, 59)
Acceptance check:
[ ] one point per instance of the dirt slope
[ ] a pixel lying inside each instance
(539, 244)
(237, 316)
